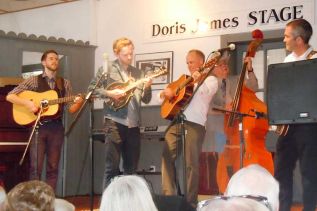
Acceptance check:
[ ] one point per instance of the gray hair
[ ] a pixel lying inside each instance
(257, 181)
(127, 193)
(301, 28)
(233, 204)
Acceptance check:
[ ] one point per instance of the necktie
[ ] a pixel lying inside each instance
(223, 88)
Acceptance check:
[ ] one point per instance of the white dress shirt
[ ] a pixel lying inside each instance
(292, 57)
(197, 109)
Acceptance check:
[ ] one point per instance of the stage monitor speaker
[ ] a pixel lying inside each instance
(172, 203)
(291, 92)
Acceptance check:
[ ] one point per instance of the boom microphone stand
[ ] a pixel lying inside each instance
(35, 129)
(240, 116)
(180, 119)
(88, 99)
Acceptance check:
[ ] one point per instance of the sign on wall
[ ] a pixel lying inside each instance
(274, 17)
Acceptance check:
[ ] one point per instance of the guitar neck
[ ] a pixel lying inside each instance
(188, 80)
(61, 100)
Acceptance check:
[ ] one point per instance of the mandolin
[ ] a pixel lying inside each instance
(128, 87)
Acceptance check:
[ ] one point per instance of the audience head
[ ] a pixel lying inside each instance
(30, 196)
(63, 205)
(3, 197)
(231, 204)
(254, 180)
(252, 188)
(127, 193)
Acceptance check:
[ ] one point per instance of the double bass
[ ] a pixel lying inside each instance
(254, 129)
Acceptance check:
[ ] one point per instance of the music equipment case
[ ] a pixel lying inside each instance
(291, 92)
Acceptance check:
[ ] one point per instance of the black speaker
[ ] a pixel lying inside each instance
(291, 92)
(172, 203)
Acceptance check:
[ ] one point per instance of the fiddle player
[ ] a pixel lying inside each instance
(195, 118)
(121, 126)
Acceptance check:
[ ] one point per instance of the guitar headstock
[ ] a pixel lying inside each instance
(212, 61)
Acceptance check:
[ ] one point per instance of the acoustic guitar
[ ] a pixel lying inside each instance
(282, 130)
(48, 100)
(128, 88)
(183, 89)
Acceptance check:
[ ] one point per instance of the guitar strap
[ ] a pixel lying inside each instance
(60, 85)
(312, 53)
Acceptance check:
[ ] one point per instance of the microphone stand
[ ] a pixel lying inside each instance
(35, 129)
(180, 132)
(180, 118)
(91, 146)
(240, 116)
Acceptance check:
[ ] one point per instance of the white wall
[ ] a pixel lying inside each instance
(127, 18)
(70, 21)
(102, 21)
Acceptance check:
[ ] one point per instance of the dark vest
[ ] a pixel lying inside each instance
(59, 88)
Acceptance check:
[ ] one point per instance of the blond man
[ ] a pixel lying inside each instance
(121, 125)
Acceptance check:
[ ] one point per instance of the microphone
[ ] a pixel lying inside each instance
(105, 63)
(230, 47)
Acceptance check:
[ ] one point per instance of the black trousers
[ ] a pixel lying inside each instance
(124, 142)
(300, 143)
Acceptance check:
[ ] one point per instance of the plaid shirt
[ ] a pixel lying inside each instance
(31, 84)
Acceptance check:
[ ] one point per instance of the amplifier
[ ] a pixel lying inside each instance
(153, 132)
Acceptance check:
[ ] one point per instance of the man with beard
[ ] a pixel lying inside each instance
(121, 125)
(50, 137)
